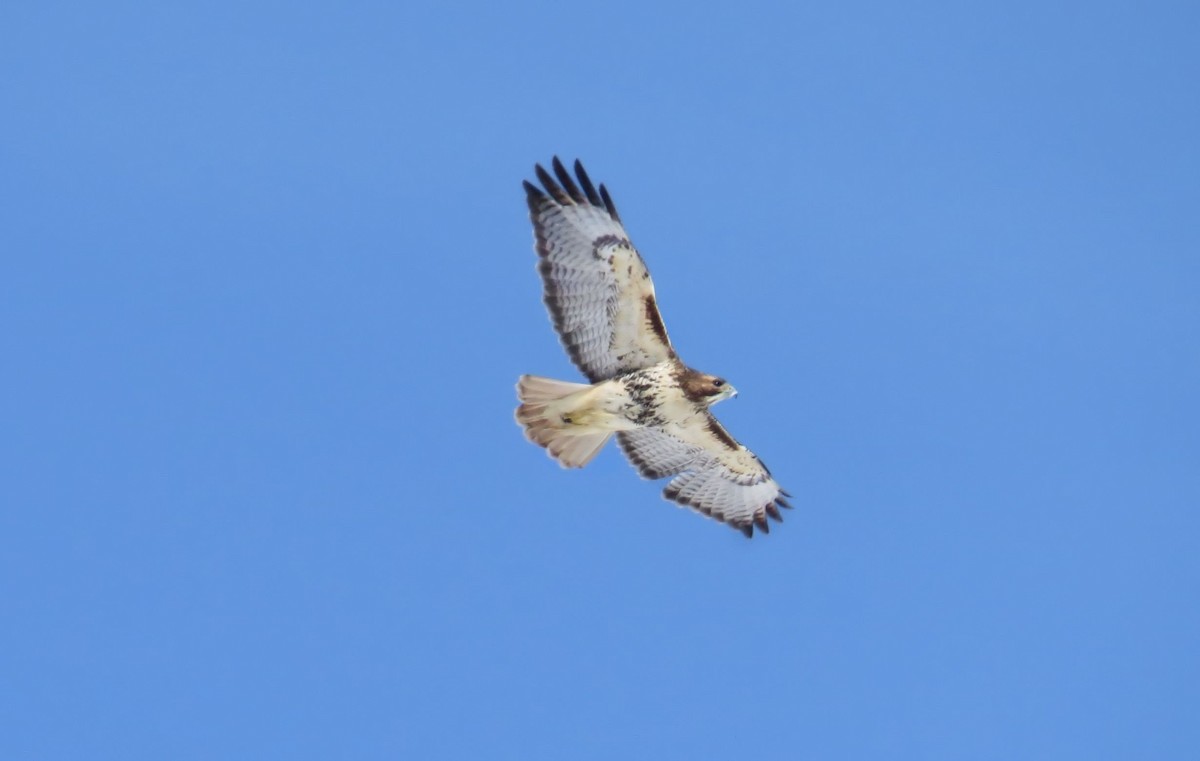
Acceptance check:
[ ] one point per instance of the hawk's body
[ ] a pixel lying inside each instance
(601, 299)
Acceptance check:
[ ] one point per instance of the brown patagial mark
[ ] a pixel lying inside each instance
(718, 430)
(655, 321)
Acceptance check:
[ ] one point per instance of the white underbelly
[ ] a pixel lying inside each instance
(603, 407)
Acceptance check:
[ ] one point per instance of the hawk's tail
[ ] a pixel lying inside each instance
(543, 415)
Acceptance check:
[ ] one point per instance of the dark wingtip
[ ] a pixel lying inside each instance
(608, 203)
(588, 188)
(747, 527)
(565, 191)
(564, 177)
(550, 185)
(533, 194)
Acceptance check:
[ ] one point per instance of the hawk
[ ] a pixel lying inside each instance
(601, 300)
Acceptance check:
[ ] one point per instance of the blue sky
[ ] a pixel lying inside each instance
(267, 282)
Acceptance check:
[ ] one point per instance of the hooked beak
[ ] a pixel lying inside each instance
(729, 392)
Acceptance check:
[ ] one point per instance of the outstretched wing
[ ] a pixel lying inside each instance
(714, 474)
(597, 287)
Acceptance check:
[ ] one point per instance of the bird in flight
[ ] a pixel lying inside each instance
(601, 301)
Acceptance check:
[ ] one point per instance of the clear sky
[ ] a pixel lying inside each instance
(266, 283)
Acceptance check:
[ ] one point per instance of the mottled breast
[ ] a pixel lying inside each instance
(655, 395)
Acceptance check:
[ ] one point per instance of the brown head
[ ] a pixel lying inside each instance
(703, 388)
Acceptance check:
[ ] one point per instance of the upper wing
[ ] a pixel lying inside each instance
(714, 474)
(597, 288)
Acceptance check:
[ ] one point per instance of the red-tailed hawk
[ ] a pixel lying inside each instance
(601, 300)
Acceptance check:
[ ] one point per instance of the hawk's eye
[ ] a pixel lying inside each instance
(718, 383)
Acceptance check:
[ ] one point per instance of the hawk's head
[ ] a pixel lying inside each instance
(706, 389)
